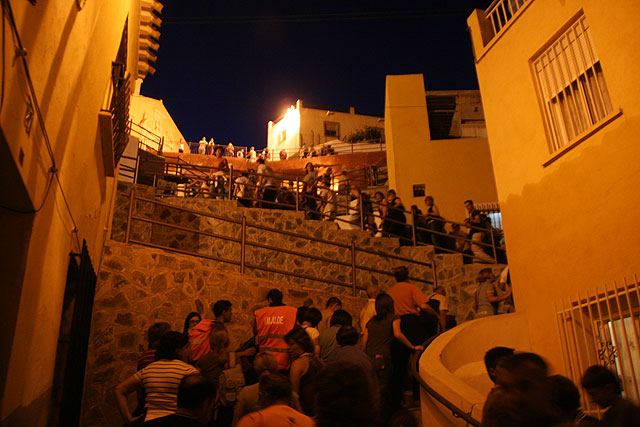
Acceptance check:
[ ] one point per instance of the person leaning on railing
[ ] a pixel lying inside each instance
(395, 226)
(266, 183)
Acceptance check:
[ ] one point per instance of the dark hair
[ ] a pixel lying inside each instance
(193, 390)
(347, 335)
(597, 376)
(483, 275)
(188, 319)
(275, 296)
(170, 343)
(156, 332)
(564, 394)
(526, 367)
(313, 316)
(301, 337)
(341, 317)
(337, 385)
(384, 307)
(275, 388)
(403, 418)
(468, 201)
(220, 307)
(378, 192)
(300, 314)
(392, 191)
(261, 160)
(401, 273)
(494, 356)
(333, 300)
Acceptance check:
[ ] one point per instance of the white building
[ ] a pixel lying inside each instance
(309, 128)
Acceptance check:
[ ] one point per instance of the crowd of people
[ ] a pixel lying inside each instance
(302, 367)
(310, 366)
(526, 395)
(381, 215)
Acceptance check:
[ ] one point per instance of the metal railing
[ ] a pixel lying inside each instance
(148, 140)
(185, 179)
(244, 242)
(602, 327)
(415, 372)
(501, 11)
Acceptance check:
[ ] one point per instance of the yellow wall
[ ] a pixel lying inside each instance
(69, 57)
(452, 170)
(152, 115)
(572, 225)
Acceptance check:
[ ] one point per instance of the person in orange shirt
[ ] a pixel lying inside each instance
(418, 322)
(271, 324)
(275, 395)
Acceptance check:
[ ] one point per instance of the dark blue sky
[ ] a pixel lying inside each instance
(225, 70)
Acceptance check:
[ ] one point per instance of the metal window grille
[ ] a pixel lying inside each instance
(602, 327)
(492, 211)
(572, 86)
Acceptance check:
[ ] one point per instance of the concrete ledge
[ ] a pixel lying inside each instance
(453, 365)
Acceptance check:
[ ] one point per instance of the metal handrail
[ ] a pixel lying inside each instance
(243, 242)
(275, 230)
(196, 190)
(457, 412)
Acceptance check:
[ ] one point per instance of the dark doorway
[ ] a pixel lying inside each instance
(73, 340)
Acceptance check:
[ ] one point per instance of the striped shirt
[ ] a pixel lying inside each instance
(161, 380)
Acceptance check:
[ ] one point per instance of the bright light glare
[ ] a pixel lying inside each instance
(291, 120)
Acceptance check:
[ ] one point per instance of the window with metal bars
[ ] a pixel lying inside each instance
(572, 86)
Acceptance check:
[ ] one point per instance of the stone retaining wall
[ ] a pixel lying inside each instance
(337, 249)
(138, 286)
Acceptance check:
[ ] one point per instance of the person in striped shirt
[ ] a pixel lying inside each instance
(160, 380)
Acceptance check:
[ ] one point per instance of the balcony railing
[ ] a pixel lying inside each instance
(502, 11)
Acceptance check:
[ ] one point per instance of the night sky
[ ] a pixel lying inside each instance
(225, 69)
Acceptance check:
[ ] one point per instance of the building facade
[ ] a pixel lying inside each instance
(63, 127)
(559, 89)
(434, 146)
(303, 128)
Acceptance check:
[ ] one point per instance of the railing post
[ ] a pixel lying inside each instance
(231, 182)
(361, 212)
(129, 214)
(135, 173)
(413, 226)
(243, 245)
(435, 273)
(297, 193)
(353, 268)
(493, 246)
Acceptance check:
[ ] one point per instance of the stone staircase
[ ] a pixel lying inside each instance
(140, 285)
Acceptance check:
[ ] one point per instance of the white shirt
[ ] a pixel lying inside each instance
(367, 312)
(241, 183)
(266, 173)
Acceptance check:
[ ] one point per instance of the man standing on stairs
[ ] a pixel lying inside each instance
(271, 324)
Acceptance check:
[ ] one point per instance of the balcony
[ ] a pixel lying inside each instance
(488, 25)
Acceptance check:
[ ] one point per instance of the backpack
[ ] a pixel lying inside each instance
(231, 382)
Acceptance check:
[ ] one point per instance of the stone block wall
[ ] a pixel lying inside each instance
(138, 286)
(335, 246)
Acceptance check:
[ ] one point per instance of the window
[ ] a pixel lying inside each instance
(572, 86)
(332, 129)
(603, 327)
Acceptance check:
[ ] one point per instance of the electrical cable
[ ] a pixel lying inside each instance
(21, 53)
(316, 17)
